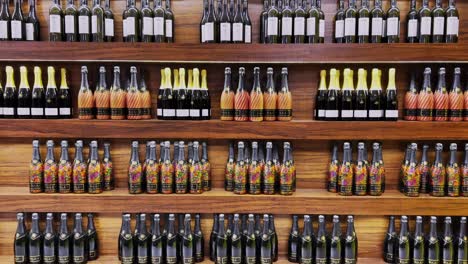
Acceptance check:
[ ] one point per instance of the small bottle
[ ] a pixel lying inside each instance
(376, 107)
(64, 241)
(95, 170)
(24, 95)
(433, 243)
(376, 172)
(390, 242)
(64, 100)
(36, 170)
(229, 172)
(425, 100)
(21, 241)
(195, 175)
(321, 246)
(167, 170)
(242, 99)
(462, 242)
(213, 236)
(412, 176)
(345, 173)
(35, 240)
(181, 170)
(108, 169)
(411, 100)
(419, 247)
(424, 170)
(256, 98)
(453, 173)
(441, 98)
(293, 241)
(266, 243)
(438, 173)
(351, 243)
(50, 169)
(133, 97)
(270, 172)
(240, 172)
(198, 240)
(79, 241)
(270, 98)
(85, 97)
(118, 103)
(321, 98)
(287, 171)
(360, 172)
(333, 171)
(102, 96)
(92, 237)
(448, 247)
(152, 170)
(79, 169)
(255, 172)
(142, 240)
(10, 95)
(221, 242)
(37, 97)
(391, 105)
(64, 170)
(307, 242)
(126, 243)
(156, 242)
(456, 99)
(284, 98)
(135, 171)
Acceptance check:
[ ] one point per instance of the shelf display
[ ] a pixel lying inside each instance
(19, 27)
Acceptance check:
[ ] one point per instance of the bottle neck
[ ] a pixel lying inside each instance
(427, 82)
(84, 81)
(63, 226)
(171, 226)
(256, 82)
(286, 155)
(187, 227)
(376, 84)
(307, 231)
(21, 229)
(350, 228)
(227, 81)
(155, 229)
(346, 156)
(221, 231)
(167, 154)
(391, 81)
(284, 82)
(142, 225)
(413, 156)
(404, 229)
(466, 156)
(197, 224)
(79, 154)
(17, 5)
(321, 230)
(419, 229)
(462, 233)
(266, 226)
(78, 225)
(102, 81)
(116, 84)
(295, 225)
(50, 153)
(456, 82)
(240, 87)
(195, 154)
(240, 154)
(133, 81)
(361, 155)
(433, 230)
(36, 154)
(94, 154)
(135, 156)
(91, 223)
(441, 84)
(107, 152)
(270, 82)
(453, 157)
(448, 230)
(336, 232)
(64, 155)
(35, 226)
(126, 226)
(438, 157)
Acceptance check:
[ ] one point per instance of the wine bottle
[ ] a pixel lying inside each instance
(21, 241)
(347, 96)
(203, 21)
(195, 175)
(411, 100)
(97, 22)
(462, 242)
(433, 243)
(321, 99)
(293, 241)
(272, 24)
(169, 21)
(10, 95)
(363, 22)
(142, 240)
(438, 173)
(412, 22)
(227, 97)
(424, 169)
(237, 24)
(376, 171)
(360, 172)
(131, 22)
(286, 24)
(18, 27)
(376, 107)
(339, 23)
(70, 22)
(350, 15)
(390, 242)
(269, 172)
(36, 170)
(209, 34)
(393, 23)
(213, 236)
(102, 96)
(167, 170)
(312, 32)
(195, 97)
(84, 24)
(448, 254)
(286, 172)
(64, 170)
(377, 22)
(156, 242)
(134, 101)
(5, 21)
(50, 169)
(412, 176)
(108, 169)
(145, 95)
(158, 22)
(299, 15)
(206, 168)
(92, 244)
(147, 22)
(247, 22)
(345, 173)
(64, 239)
(255, 171)
(333, 97)
(224, 24)
(79, 241)
(322, 242)
(205, 102)
(198, 240)
(452, 23)
(240, 172)
(221, 242)
(270, 98)
(55, 21)
(425, 22)
(171, 241)
(152, 170)
(456, 99)
(307, 242)
(453, 173)
(274, 239)
(464, 174)
(108, 22)
(351, 243)
(391, 100)
(441, 98)
(419, 247)
(230, 170)
(242, 99)
(35, 241)
(95, 170)
(85, 97)
(24, 95)
(284, 98)
(180, 96)
(64, 100)
(321, 22)
(235, 242)
(135, 171)
(333, 171)
(126, 243)
(79, 169)
(266, 243)
(438, 20)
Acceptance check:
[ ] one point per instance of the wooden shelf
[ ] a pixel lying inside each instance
(216, 129)
(304, 201)
(233, 53)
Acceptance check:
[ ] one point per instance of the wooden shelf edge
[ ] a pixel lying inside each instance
(216, 129)
(232, 53)
(304, 201)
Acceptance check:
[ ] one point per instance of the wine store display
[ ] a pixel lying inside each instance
(406, 247)
(440, 104)
(360, 177)
(18, 26)
(347, 104)
(78, 245)
(225, 23)
(256, 174)
(243, 239)
(258, 105)
(170, 175)
(181, 102)
(292, 22)
(437, 178)
(334, 248)
(80, 175)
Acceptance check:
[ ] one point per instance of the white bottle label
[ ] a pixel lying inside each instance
(51, 112)
(169, 28)
(237, 31)
(1, 110)
(55, 24)
(331, 113)
(347, 113)
(322, 28)
(69, 24)
(391, 113)
(439, 25)
(37, 111)
(159, 112)
(393, 26)
(453, 24)
(169, 112)
(321, 113)
(272, 26)
(182, 113)
(339, 28)
(194, 113)
(226, 31)
(8, 111)
(286, 26)
(426, 24)
(109, 27)
(350, 26)
(299, 26)
(202, 32)
(248, 34)
(83, 24)
(209, 31)
(16, 29)
(377, 26)
(363, 26)
(65, 111)
(360, 113)
(124, 27)
(158, 26)
(412, 28)
(311, 26)
(205, 112)
(375, 113)
(23, 111)
(130, 26)
(3, 29)
(384, 28)
(29, 31)
(148, 26)
(93, 24)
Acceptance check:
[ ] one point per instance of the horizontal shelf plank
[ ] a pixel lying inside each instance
(304, 201)
(216, 129)
(233, 53)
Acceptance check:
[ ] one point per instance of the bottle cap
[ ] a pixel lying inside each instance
(50, 143)
(84, 69)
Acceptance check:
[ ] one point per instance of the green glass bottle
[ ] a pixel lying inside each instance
(293, 241)
(452, 22)
(108, 23)
(247, 22)
(97, 22)
(412, 24)
(272, 24)
(390, 242)
(131, 18)
(363, 22)
(264, 22)
(209, 34)
(350, 22)
(286, 24)
(321, 22)
(18, 27)
(299, 15)
(187, 250)
(238, 24)
(169, 20)
(84, 25)
(313, 17)
(419, 247)
(159, 22)
(438, 23)
(377, 22)
(425, 22)
(393, 23)
(32, 23)
(339, 23)
(70, 22)
(55, 21)
(225, 25)
(147, 22)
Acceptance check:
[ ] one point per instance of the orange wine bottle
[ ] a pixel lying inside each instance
(441, 98)
(227, 97)
(256, 98)
(456, 98)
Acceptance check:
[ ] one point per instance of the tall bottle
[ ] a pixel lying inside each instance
(240, 172)
(50, 169)
(452, 23)
(256, 98)
(433, 243)
(235, 243)
(84, 23)
(462, 242)
(5, 21)
(156, 241)
(64, 241)
(21, 241)
(456, 99)
(419, 247)
(37, 96)
(339, 23)
(213, 236)
(55, 21)
(350, 22)
(108, 22)
(361, 98)
(269, 172)
(142, 241)
(425, 23)
(393, 23)
(424, 170)
(159, 23)
(145, 95)
(102, 96)
(35, 241)
(286, 24)
(195, 175)
(274, 239)
(376, 107)
(146, 22)
(171, 241)
(293, 241)
(376, 171)
(363, 22)
(438, 173)
(10, 95)
(360, 172)
(132, 29)
(426, 99)
(36, 170)
(264, 22)
(152, 170)
(411, 100)
(438, 20)
(203, 21)
(169, 21)
(126, 243)
(321, 99)
(448, 247)
(270, 98)
(333, 171)
(247, 22)
(412, 22)
(221, 242)
(391, 100)
(241, 99)
(188, 243)
(250, 255)
(345, 173)
(95, 170)
(237, 24)
(64, 96)
(167, 170)
(97, 22)
(390, 242)
(322, 243)
(206, 168)
(441, 98)
(205, 101)
(333, 97)
(24, 95)
(453, 173)
(412, 176)
(85, 97)
(464, 174)
(266, 243)
(79, 241)
(71, 24)
(65, 171)
(79, 169)
(284, 98)
(286, 171)
(182, 103)
(307, 242)
(227, 97)
(92, 243)
(134, 101)
(403, 252)
(195, 97)
(336, 242)
(209, 34)
(351, 243)
(118, 96)
(347, 96)
(135, 171)
(312, 28)
(272, 24)
(198, 240)
(230, 170)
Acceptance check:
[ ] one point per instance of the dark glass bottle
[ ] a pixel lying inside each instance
(433, 243)
(377, 21)
(213, 236)
(142, 241)
(97, 22)
(437, 181)
(287, 24)
(157, 243)
(171, 241)
(293, 241)
(18, 27)
(205, 102)
(424, 170)
(237, 24)
(322, 93)
(464, 177)
(411, 174)
(350, 22)
(347, 96)
(180, 236)
(336, 242)
(147, 22)
(50, 243)
(391, 99)
(203, 21)
(21, 241)
(350, 243)
(50, 169)
(393, 23)
(55, 21)
(452, 24)
(247, 22)
(448, 247)
(345, 172)
(361, 173)
(79, 169)
(64, 241)
(333, 97)
(187, 249)
(362, 94)
(126, 243)
(274, 239)
(229, 171)
(95, 170)
(131, 20)
(10, 95)
(71, 24)
(109, 33)
(38, 95)
(425, 98)
(169, 19)
(425, 22)
(24, 95)
(65, 172)
(376, 107)
(93, 243)
(333, 171)
(266, 244)
(363, 22)
(250, 242)
(339, 23)
(456, 100)
(64, 97)
(419, 248)
(453, 173)
(236, 242)
(159, 22)
(51, 98)
(225, 25)
(221, 243)
(462, 243)
(36, 170)
(209, 34)
(438, 23)
(5, 21)
(403, 250)
(412, 35)
(198, 240)
(299, 17)
(134, 171)
(312, 28)
(272, 24)
(35, 241)
(321, 246)
(79, 241)
(240, 179)
(264, 22)
(321, 31)
(307, 242)
(84, 23)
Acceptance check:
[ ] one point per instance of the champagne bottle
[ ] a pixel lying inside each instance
(345, 173)
(307, 242)
(95, 170)
(424, 170)
(412, 23)
(269, 172)
(464, 174)
(360, 172)
(5, 21)
(391, 105)
(92, 244)
(438, 173)
(227, 97)
(393, 23)
(363, 22)
(333, 97)
(286, 172)
(351, 243)
(448, 254)
(142, 241)
(182, 104)
(347, 96)
(24, 95)
(102, 96)
(322, 243)
(187, 248)
(118, 96)
(206, 168)
(438, 20)
(312, 32)
(50, 169)
(351, 15)
(376, 172)
(250, 242)
(236, 242)
(21, 241)
(167, 170)
(266, 244)
(64, 99)
(126, 243)
(195, 98)
(376, 107)
(71, 24)
(64, 170)
(213, 237)
(134, 101)
(171, 241)
(205, 101)
(134, 171)
(84, 24)
(452, 23)
(411, 100)
(55, 21)
(242, 99)
(256, 98)
(404, 166)
(419, 248)
(321, 22)
(79, 241)
(272, 24)
(425, 22)
(157, 243)
(35, 241)
(108, 22)
(453, 173)
(37, 96)
(131, 18)
(145, 95)
(333, 170)
(36, 170)
(209, 34)
(10, 95)
(286, 24)
(293, 241)
(240, 178)
(456, 99)
(247, 22)
(18, 27)
(198, 240)
(284, 98)
(85, 97)
(412, 176)
(195, 176)
(441, 98)
(255, 171)
(270, 98)
(158, 22)
(321, 99)
(274, 239)
(152, 170)
(97, 22)
(462, 242)
(147, 22)
(221, 242)
(339, 23)
(79, 169)
(230, 170)
(390, 242)
(64, 241)
(169, 21)
(237, 24)
(433, 243)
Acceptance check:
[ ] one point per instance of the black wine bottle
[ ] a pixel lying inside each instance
(50, 243)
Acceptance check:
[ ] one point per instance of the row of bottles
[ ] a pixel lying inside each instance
(346, 103)
(258, 105)
(334, 248)
(181, 102)
(243, 239)
(80, 175)
(440, 104)
(292, 21)
(358, 177)
(256, 174)
(22, 102)
(55, 246)
(417, 247)
(17, 26)
(227, 22)
(82, 23)
(437, 179)
(117, 102)
(161, 246)
(170, 175)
